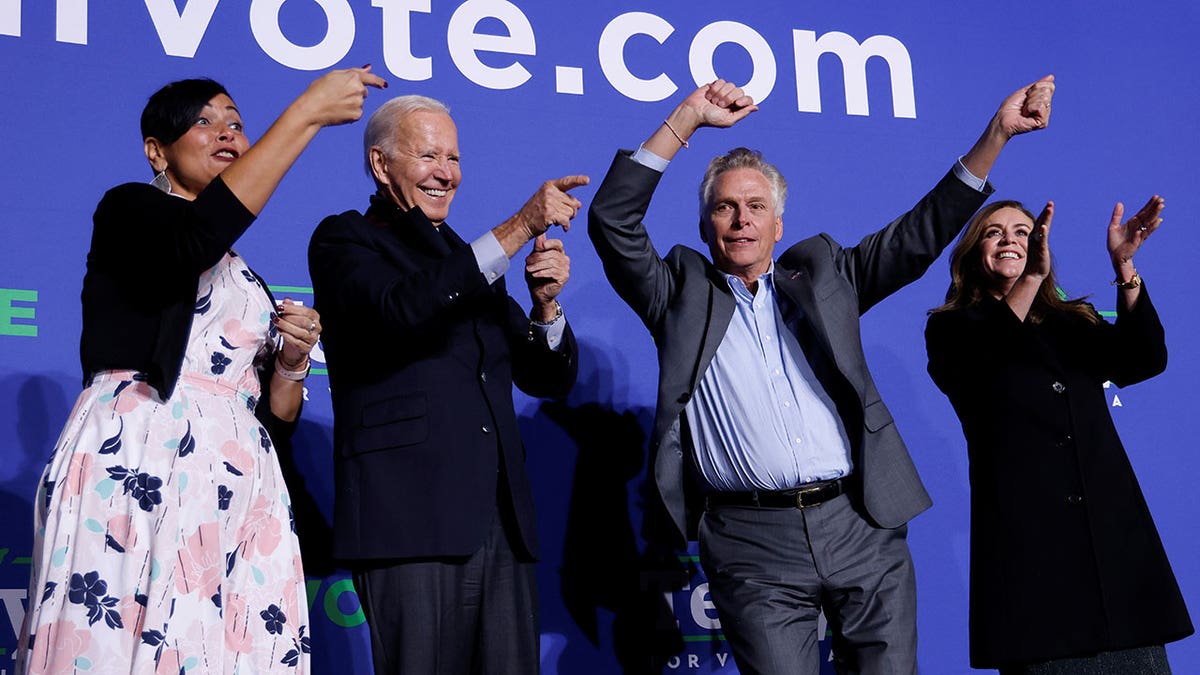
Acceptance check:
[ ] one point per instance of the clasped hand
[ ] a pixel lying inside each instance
(300, 328)
(547, 269)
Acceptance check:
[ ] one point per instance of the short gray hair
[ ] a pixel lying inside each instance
(381, 128)
(742, 158)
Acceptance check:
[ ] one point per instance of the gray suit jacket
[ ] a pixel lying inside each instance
(823, 289)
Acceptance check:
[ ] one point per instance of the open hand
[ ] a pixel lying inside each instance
(1124, 239)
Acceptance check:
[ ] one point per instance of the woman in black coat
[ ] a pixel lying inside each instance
(1068, 574)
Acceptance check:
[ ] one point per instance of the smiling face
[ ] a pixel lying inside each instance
(422, 169)
(1003, 248)
(212, 143)
(741, 226)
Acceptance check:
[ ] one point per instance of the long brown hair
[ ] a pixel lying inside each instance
(969, 281)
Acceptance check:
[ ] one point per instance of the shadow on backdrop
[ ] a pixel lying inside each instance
(41, 406)
(307, 462)
(602, 567)
(335, 615)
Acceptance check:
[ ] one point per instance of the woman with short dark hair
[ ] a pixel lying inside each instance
(1068, 576)
(163, 539)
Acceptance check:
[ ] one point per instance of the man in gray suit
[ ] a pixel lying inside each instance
(769, 430)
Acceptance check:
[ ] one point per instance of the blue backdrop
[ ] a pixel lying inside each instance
(542, 89)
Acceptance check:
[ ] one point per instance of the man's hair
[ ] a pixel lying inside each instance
(381, 128)
(172, 110)
(742, 158)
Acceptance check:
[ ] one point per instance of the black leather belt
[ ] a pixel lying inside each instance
(795, 498)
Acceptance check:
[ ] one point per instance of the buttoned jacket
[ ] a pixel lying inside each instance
(1065, 557)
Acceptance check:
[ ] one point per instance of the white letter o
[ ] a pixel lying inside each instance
(264, 23)
(700, 56)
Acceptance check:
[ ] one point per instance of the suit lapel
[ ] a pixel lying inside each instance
(720, 311)
(419, 233)
(801, 312)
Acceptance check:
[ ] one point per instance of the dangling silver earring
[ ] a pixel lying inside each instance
(162, 182)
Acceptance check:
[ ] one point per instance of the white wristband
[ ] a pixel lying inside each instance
(293, 375)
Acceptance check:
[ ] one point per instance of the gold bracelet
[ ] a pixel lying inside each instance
(1134, 282)
(677, 136)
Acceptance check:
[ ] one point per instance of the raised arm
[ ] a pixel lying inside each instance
(550, 205)
(632, 265)
(178, 238)
(1134, 349)
(717, 104)
(334, 98)
(547, 267)
(1124, 239)
(886, 260)
(1037, 266)
(1025, 110)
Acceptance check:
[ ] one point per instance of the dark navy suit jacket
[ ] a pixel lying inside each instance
(423, 355)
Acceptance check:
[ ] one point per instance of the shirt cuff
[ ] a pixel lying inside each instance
(550, 334)
(968, 178)
(490, 257)
(650, 160)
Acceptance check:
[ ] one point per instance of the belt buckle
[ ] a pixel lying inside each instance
(806, 491)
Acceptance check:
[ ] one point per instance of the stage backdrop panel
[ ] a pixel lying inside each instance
(864, 106)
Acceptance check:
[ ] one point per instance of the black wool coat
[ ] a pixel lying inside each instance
(1065, 558)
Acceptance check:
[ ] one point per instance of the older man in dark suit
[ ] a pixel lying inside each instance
(432, 509)
(769, 429)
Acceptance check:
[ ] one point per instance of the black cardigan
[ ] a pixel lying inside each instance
(139, 294)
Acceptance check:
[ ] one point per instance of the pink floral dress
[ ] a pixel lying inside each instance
(163, 540)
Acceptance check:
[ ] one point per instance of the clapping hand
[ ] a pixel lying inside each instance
(1124, 239)
(1037, 252)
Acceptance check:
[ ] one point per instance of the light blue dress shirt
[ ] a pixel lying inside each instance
(760, 419)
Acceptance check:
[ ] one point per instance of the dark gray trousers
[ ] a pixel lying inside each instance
(772, 570)
(450, 616)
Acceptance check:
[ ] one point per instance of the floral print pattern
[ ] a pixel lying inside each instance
(163, 538)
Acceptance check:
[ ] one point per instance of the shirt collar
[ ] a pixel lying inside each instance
(765, 282)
